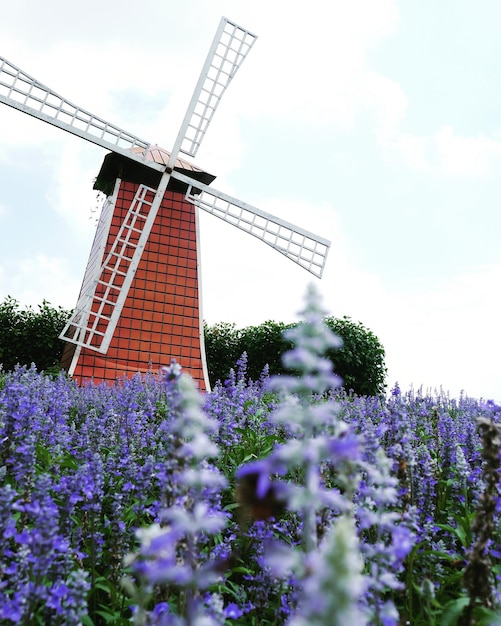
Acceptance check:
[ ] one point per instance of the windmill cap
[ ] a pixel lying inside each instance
(160, 155)
(118, 166)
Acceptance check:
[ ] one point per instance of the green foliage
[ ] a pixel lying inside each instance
(360, 362)
(264, 345)
(225, 344)
(28, 336)
(222, 344)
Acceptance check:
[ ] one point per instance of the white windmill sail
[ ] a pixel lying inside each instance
(230, 46)
(101, 302)
(75, 328)
(23, 92)
(304, 248)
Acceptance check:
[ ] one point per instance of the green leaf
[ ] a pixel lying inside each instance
(458, 531)
(108, 617)
(453, 611)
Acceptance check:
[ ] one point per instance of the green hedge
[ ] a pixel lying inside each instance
(28, 336)
(360, 362)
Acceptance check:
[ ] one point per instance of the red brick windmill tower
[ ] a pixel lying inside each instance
(139, 304)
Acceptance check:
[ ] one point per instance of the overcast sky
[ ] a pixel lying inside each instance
(374, 123)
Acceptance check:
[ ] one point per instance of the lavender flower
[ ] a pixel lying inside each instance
(398, 479)
(171, 551)
(477, 576)
(332, 590)
(329, 457)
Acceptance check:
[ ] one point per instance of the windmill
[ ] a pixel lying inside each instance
(139, 304)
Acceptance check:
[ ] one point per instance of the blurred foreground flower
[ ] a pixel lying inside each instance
(478, 578)
(172, 551)
(320, 473)
(334, 585)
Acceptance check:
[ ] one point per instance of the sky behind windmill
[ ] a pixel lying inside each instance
(374, 123)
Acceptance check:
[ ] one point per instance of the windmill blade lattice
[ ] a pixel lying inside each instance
(77, 329)
(23, 92)
(96, 315)
(304, 248)
(230, 46)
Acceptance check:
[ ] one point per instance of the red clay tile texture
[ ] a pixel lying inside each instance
(160, 320)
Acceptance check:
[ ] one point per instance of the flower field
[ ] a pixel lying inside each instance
(278, 501)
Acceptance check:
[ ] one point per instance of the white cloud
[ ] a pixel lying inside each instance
(443, 335)
(389, 102)
(445, 153)
(32, 280)
(75, 167)
(465, 156)
(414, 150)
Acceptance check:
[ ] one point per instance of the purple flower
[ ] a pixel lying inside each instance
(403, 542)
(160, 609)
(261, 472)
(344, 448)
(232, 611)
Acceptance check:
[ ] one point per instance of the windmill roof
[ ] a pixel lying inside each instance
(117, 165)
(160, 155)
